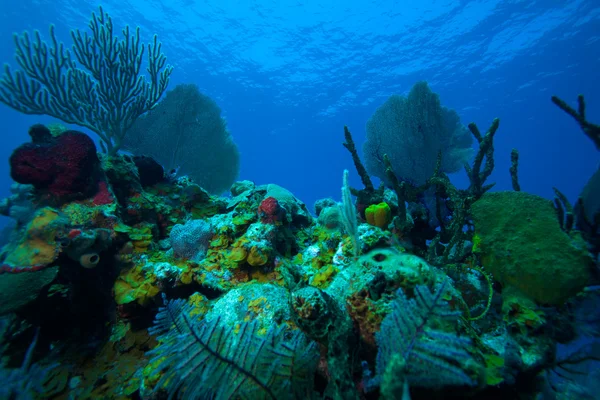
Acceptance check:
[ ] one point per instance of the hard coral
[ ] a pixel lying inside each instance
(59, 166)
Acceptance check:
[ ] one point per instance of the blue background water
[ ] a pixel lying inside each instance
(289, 74)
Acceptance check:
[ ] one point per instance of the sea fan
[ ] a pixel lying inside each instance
(426, 357)
(207, 360)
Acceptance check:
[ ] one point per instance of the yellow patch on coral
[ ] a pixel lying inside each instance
(121, 228)
(220, 242)
(211, 266)
(34, 251)
(42, 220)
(132, 285)
(242, 220)
(322, 278)
(256, 304)
(140, 235)
(79, 214)
(238, 254)
(200, 305)
(141, 238)
(38, 245)
(187, 276)
(123, 292)
(203, 210)
(322, 235)
(257, 257)
(158, 256)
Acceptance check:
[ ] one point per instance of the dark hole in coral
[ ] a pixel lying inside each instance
(95, 258)
(379, 257)
(210, 293)
(185, 291)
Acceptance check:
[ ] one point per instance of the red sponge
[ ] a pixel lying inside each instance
(62, 165)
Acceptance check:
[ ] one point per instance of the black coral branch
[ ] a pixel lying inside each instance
(205, 359)
(423, 356)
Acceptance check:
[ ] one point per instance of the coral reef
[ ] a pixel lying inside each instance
(133, 283)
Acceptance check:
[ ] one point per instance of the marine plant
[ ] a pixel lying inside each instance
(106, 94)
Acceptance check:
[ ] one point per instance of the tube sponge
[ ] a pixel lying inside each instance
(89, 260)
(379, 215)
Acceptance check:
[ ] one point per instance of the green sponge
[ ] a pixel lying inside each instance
(522, 244)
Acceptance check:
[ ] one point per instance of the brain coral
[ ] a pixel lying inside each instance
(523, 245)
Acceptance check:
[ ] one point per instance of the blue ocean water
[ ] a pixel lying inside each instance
(289, 75)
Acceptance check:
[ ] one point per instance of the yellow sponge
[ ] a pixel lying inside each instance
(379, 215)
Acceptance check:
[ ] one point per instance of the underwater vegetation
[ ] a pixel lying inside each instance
(126, 278)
